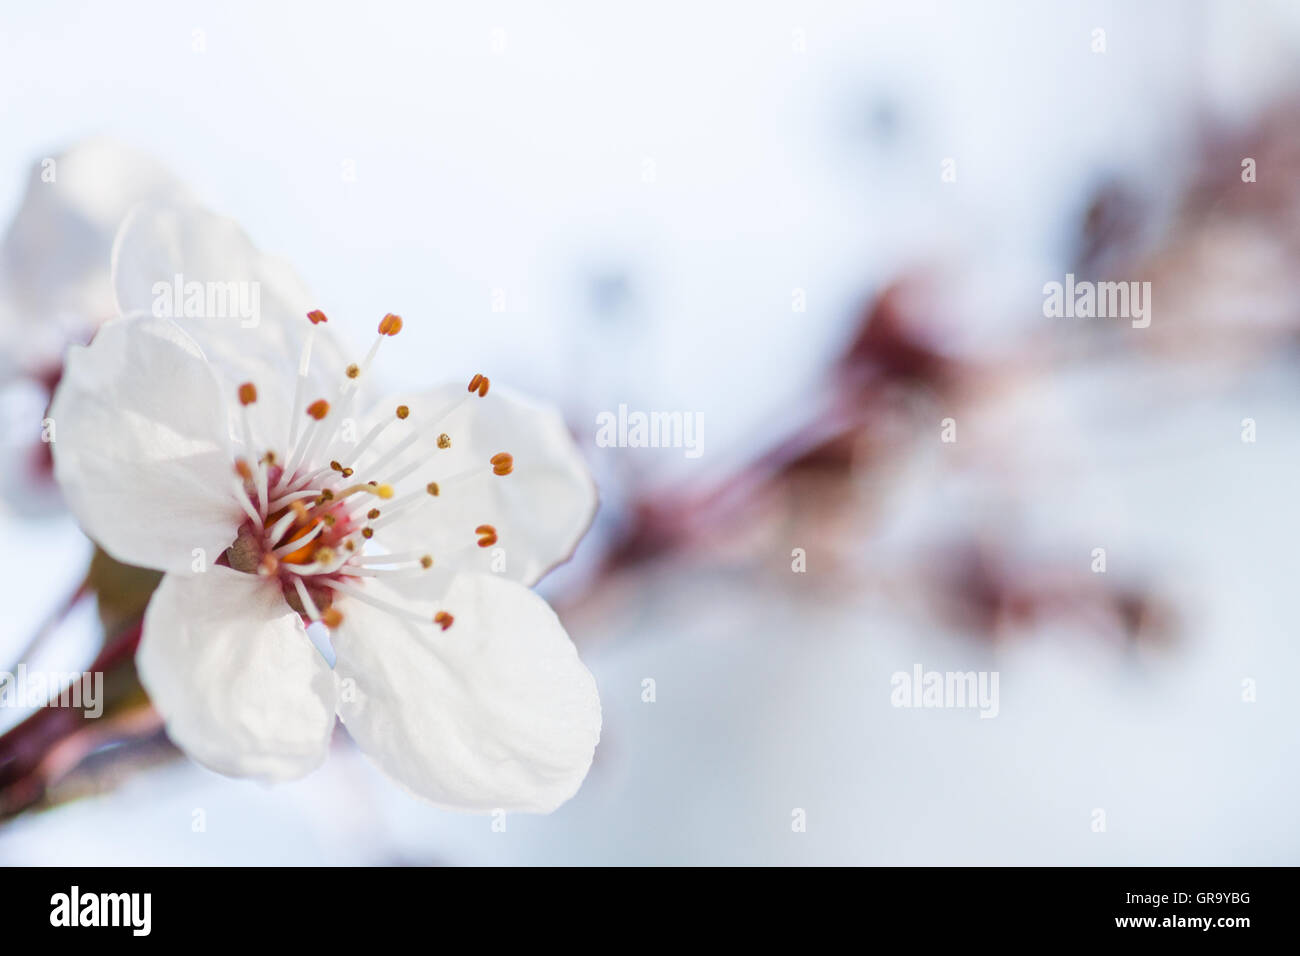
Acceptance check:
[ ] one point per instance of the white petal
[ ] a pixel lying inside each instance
(495, 712)
(540, 511)
(231, 670)
(252, 318)
(140, 446)
(56, 251)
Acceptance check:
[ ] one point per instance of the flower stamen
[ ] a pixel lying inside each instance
(304, 530)
(304, 368)
(298, 548)
(243, 474)
(401, 557)
(407, 502)
(343, 586)
(308, 605)
(317, 411)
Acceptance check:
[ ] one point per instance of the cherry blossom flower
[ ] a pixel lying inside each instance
(245, 464)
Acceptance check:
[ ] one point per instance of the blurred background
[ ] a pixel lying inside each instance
(821, 229)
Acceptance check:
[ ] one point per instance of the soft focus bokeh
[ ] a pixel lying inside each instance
(739, 211)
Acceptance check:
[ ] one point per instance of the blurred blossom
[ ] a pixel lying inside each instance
(55, 253)
(55, 287)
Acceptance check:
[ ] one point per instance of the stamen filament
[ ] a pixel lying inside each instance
(434, 426)
(406, 571)
(384, 491)
(317, 567)
(399, 508)
(399, 557)
(319, 412)
(388, 456)
(264, 495)
(370, 438)
(297, 543)
(308, 604)
(351, 590)
(281, 527)
(309, 479)
(394, 478)
(322, 431)
(291, 496)
(299, 388)
(241, 494)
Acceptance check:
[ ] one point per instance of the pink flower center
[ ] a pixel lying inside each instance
(308, 524)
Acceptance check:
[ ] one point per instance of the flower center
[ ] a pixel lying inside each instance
(311, 526)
